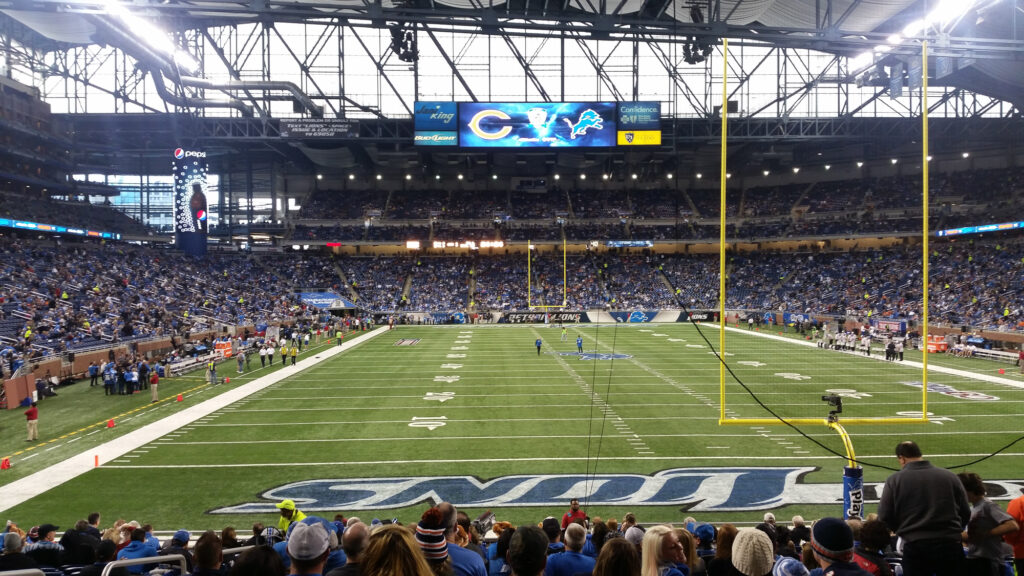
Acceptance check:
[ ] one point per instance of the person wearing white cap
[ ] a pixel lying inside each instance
(308, 547)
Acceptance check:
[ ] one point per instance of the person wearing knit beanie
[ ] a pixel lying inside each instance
(832, 543)
(753, 553)
(430, 537)
(787, 566)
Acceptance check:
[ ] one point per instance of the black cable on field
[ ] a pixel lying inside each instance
(591, 476)
(590, 429)
(801, 432)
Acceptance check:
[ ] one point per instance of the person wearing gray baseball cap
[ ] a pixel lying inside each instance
(308, 547)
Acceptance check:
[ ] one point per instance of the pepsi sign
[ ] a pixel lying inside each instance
(180, 153)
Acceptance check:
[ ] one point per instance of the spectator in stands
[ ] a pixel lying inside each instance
(179, 545)
(229, 538)
(617, 558)
(258, 561)
(105, 554)
(832, 543)
(661, 549)
(752, 553)
(430, 537)
(706, 534)
(799, 533)
(528, 551)
(931, 534)
(289, 513)
(984, 535)
(786, 566)
(392, 551)
(869, 554)
(572, 561)
(692, 564)
(137, 548)
(46, 551)
(308, 548)
(94, 524)
(353, 542)
(79, 545)
(464, 562)
(721, 564)
(473, 543)
(554, 534)
(13, 557)
(209, 555)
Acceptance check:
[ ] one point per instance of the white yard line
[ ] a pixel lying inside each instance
(19, 491)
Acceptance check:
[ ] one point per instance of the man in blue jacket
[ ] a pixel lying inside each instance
(572, 561)
(137, 548)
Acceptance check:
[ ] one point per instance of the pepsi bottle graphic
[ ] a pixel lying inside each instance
(197, 206)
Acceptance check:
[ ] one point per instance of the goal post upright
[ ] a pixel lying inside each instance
(723, 176)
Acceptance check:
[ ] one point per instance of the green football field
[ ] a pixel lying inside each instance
(475, 415)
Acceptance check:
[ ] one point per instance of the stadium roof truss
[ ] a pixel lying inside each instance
(798, 69)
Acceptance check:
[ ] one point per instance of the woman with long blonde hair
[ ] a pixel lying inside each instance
(392, 551)
(660, 549)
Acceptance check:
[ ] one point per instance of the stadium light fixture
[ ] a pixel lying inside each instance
(894, 39)
(558, 177)
(494, 176)
(604, 176)
(460, 176)
(728, 175)
(862, 60)
(583, 176)
(319, 176)
(379, 177)
(437, 176)
(408, 176)
(766, 173)
(351, 176)
(699, 175)
(796, 169)
(914, 28)
(860, 164)
(669, 175)
(948, 11)
(966, 154)
(634, 176)
(929, 157)
(828, 167)
(894, 160)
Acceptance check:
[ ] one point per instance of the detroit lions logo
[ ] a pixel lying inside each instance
(588, 119)
(638, 316)
(597, 355)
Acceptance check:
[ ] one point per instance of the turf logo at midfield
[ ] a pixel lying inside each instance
(596, 355)
(697, 489)
(950, 391)
(407, 342)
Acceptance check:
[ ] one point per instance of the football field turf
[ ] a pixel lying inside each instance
(475, 415)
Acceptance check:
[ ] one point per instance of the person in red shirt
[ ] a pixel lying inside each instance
(573, 514)
(32, 420)
(1016, 539)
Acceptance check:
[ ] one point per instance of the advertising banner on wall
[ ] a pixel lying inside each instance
(537, 124)
(191, 219)
(539, 317)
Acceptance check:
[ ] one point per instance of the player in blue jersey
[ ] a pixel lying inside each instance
(579, 344)
(538, 343)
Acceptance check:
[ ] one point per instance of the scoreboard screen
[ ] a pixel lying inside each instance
(537, 125)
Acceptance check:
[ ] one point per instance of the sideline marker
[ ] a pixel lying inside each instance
(110, 423)
(5, 464)
(179, 398)
(96, 462)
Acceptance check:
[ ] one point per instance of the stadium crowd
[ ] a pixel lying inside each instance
(971, 535)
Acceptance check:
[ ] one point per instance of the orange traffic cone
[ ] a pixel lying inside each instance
(179, 398)
(227, 380)
(1002, 371)
(5, 464)
(110, 423)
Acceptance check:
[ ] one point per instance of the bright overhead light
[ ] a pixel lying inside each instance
(948, 11)
(351, 176)
(914, 28)
(557, 177)
(929, 157)
(796, 169)
(494, 176)
(894, 160)
(460, 176)
(766, 172)
(828, 166)
(882, 48)
(319, 176)
(437, 176)
(408, 176)
(634, 176)
(860, 164)
(699, 175)
(379, 177)
(152, 36)
(966, 154)
(728, 175)
(894, 39)
(604, 176)
(862, 60)
(583, 176)
(669, 175)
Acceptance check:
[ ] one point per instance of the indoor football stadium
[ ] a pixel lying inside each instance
(696, 286)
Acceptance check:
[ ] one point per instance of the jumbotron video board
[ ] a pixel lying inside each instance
(537, 124)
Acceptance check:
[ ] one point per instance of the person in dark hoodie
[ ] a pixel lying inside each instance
(209, 556)
(179, 545)
(105, 554)
(79, 545)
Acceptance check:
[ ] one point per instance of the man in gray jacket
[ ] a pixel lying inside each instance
(927, 507)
